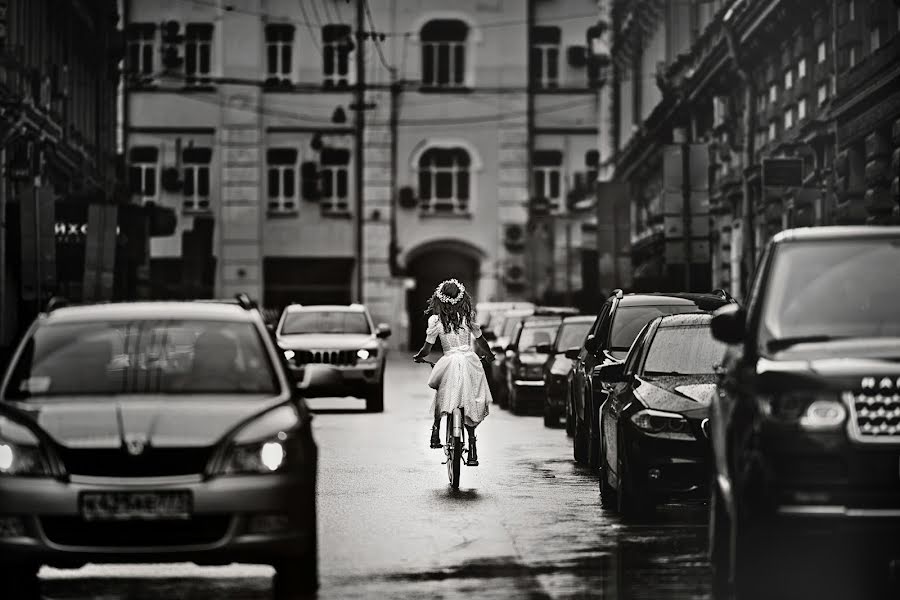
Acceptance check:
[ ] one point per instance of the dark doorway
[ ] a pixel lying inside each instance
(306, 281)
(429, 268)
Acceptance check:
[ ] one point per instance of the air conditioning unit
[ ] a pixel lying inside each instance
(171, 58)
(514, 276)
(171, 32)
(407, 198)
(171, 179)
(577, 56)
(514, 237)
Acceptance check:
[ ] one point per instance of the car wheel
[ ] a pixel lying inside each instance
(551, 419)
(375, 398)
(607, 493)
(514, 402)
(631, 501)
(594, 440)
(295, 579)
(20, 582)
(579, 447)
(570, 418)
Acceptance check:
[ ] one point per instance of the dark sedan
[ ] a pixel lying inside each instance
(654, 444)
(526, 357)
(155, 432)
(558, 370)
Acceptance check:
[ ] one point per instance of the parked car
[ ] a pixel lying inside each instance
(558, 370)
(805, 428)
(525, 359)
(654, 443)
(154, 432)
(490, 315)
(342, 338)
(620, 319)
(507, 324)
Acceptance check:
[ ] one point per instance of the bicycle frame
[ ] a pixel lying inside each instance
(454, 444)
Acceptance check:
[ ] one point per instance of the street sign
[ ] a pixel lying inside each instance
(782, 172)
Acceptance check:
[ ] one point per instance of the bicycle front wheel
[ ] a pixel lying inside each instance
(454, 462)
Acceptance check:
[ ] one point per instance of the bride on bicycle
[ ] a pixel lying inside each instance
(458, 377)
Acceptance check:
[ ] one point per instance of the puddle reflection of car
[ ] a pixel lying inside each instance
(654, 444)
(112, 451)
(339, 339)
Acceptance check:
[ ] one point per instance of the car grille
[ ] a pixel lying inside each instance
(325, 357)
(874, 414)
(153, 462)
(75, 531)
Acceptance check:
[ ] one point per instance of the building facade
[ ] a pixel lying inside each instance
(327, 151)
(734, 85)
(59, 76)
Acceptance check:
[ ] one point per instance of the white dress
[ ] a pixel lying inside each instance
(458, 377)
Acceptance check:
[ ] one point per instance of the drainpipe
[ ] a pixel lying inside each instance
(748, 249)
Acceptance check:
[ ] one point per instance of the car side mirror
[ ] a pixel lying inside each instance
(591, 343)
(544, 349)
(609, 373)
(383, 331)
(572, 353)
(729, 324)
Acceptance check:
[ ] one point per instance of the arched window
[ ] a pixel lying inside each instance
(444, 180)
(444, 53)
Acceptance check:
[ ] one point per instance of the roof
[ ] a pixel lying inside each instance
(685, 320)
(837, 232)
(536, 321)
(323, 307)
(670, 299)
(580, 319)
(214, 311)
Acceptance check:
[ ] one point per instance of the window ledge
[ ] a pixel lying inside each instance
(282, 213)
(445, 215)
(336, 214)
(437, 89)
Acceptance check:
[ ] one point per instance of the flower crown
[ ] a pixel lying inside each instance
(447, 299)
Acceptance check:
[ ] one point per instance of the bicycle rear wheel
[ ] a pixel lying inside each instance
(454, 454)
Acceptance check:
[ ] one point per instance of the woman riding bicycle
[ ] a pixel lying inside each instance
(458, 377)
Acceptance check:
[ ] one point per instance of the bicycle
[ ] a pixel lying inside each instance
(454, 446)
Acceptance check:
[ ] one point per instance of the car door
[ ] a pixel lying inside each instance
(618, 399)
(581, 370)
(512, 355)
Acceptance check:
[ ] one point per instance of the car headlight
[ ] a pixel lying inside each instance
(20, 451)
(267, 445)
(366, 353)
(662, 424)
(289, 355)
(812, 411)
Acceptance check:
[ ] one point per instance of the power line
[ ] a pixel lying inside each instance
(309, 27)
(375, 38)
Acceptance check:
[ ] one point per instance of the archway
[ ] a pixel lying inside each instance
(431, 265)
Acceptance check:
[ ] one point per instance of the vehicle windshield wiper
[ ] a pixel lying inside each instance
(782, 343)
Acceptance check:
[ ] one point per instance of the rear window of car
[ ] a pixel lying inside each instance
(325, 321)
(536, 335)
(629, 320)
(142, 357)
(683, 350)
(572, 335)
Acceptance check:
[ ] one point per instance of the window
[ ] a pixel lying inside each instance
(333, 179)
(282, 176)
(821, 52)
(197, 53)
(773, 93)
(196, 178)
(141, 38)
(773, 130)
(788, 79)
(789, 118)
(801, 69)
(823, 93)
(444, 180)
(547, 169)
(143, 171)
(761, 102)
(336, 48)
(444, 53)
(545, 57)
(851, 10)
(801, 109)
(279, 51)
(874, 38)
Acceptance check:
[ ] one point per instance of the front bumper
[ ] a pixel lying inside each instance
(353, 379)
(246, 518)
(556, 392)
(668, 468)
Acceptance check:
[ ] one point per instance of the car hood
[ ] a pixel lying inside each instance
(325, 341)
(690, 395)
(165, 421)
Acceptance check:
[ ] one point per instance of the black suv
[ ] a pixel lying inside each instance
(805, 427)
(619, 321)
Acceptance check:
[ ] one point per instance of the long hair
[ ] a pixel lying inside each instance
(452, 315)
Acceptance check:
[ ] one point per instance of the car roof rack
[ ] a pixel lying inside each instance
(724, 294)
(618, 293)
(56, 302)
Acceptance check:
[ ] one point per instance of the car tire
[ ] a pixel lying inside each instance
(20, 582)
(630, 503)
(719, 546)
(579, 447)
(514, 407)
(551, 419)
(295, 579)
(594, 439)
(375, 397)
(607, 493)
(570, 417)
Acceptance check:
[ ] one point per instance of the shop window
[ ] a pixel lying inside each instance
(545, 56)
(444, 53)
(547, 173)
(336, 48)
(334, 177)
(143, 171)
(197, 53)
(281, 166)
(279, 51)
(196, 163)
(444, 180)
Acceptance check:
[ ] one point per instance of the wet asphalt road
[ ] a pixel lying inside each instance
(527, 523)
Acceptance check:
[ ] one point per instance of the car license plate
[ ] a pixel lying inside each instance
(121, 506)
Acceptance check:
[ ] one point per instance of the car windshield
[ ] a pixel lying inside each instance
(572, 335)
(142, 356)
(683, 350)
(535, 336)
(325, 321)
(509, 325)
(838, 288)
(629, 320)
